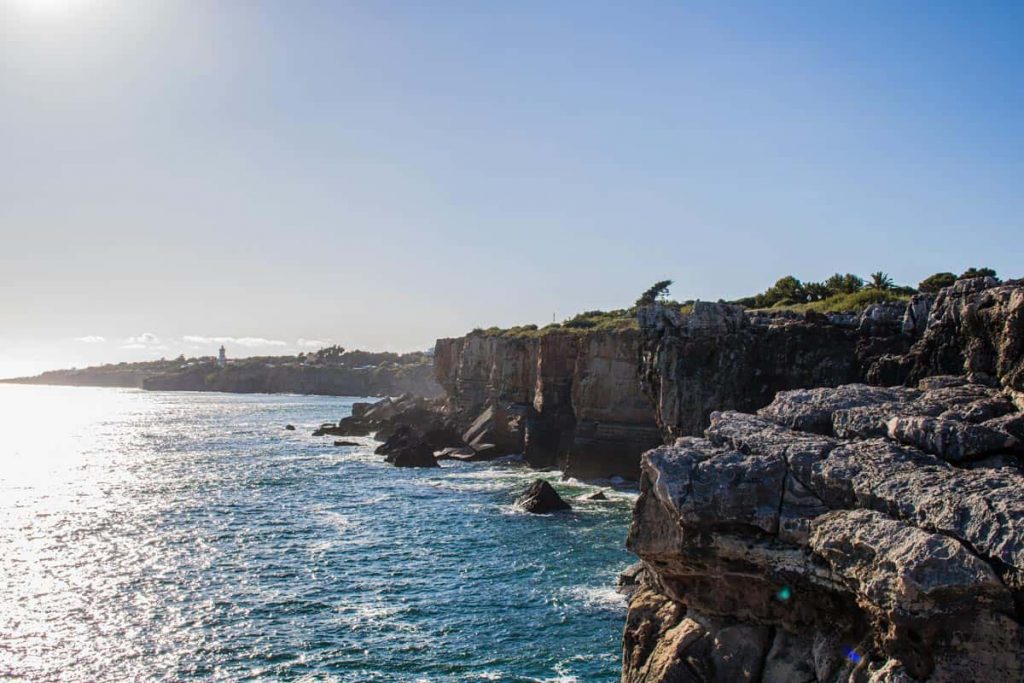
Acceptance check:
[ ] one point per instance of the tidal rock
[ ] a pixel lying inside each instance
(290, 428)
(541, 498)
(345, 443)
(597, 495)
(407, 448)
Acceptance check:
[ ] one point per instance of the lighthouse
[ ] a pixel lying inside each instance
(222, 357)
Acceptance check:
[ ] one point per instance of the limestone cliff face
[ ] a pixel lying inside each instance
(575, 398)
(841, 533)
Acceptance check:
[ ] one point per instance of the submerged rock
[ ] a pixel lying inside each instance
(290, 428)
(345, 443)
(542, 498)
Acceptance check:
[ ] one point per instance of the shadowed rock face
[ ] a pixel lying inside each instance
(785, 546)
(561, 399)
(974, 328)
(720, 358)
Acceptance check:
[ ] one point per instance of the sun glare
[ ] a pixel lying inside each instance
(49, 8)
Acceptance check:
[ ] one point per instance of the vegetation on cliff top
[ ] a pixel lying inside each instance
(840, 293)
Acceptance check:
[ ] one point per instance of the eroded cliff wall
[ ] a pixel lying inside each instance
(572, 398)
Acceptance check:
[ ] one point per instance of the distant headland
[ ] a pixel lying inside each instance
(331, 371)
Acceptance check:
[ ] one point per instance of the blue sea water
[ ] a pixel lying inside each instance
(179, 536)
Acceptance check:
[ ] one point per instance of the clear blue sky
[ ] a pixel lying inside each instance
(379, 174)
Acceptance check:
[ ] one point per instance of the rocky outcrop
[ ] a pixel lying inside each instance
(383, 418)
(848, 534)
(562, 398)
(541, 498)
(974, 328)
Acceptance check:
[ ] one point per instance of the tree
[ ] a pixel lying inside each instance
(934, 283)
(786, 290)
(657, 291)
(816, 291)
(880, 281)
(977, 272)
(844, 284)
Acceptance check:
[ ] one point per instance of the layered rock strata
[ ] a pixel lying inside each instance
(849, 534)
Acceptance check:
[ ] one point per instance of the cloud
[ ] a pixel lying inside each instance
(248, 342)
(313, 343)
(91, 339)
(142, 340)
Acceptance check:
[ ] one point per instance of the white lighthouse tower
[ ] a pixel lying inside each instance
(222, 357)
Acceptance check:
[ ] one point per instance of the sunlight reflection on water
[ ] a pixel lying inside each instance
(156, 536)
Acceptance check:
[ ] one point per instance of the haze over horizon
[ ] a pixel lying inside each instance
(278, 176)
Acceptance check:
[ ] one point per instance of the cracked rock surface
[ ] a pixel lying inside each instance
(848, 534)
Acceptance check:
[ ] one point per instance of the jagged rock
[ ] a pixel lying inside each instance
(924, 587)
(407, 447)
(500, 426)
(949, 439)
(862, 560)
(975, 328)
(915, 318)
(630, 578)
(541, 498)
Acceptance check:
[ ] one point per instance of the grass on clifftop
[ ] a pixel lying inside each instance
(855, 302)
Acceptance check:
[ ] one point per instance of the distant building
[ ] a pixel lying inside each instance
(222, 357)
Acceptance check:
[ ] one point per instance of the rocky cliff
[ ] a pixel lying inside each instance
(721, 357)
(562, 398)
(842, 533)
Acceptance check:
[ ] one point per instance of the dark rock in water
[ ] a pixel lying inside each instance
(597, 495)
(413, 456)
(345, 443)
(387, 416)
(542, 498)
(290, 428)
(407, 448)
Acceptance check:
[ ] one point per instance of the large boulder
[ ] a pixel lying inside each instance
(541, 498)
(407, 447)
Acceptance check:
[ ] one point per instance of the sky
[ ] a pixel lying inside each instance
(276, 175)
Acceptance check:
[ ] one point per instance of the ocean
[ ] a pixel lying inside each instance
(151, 536)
